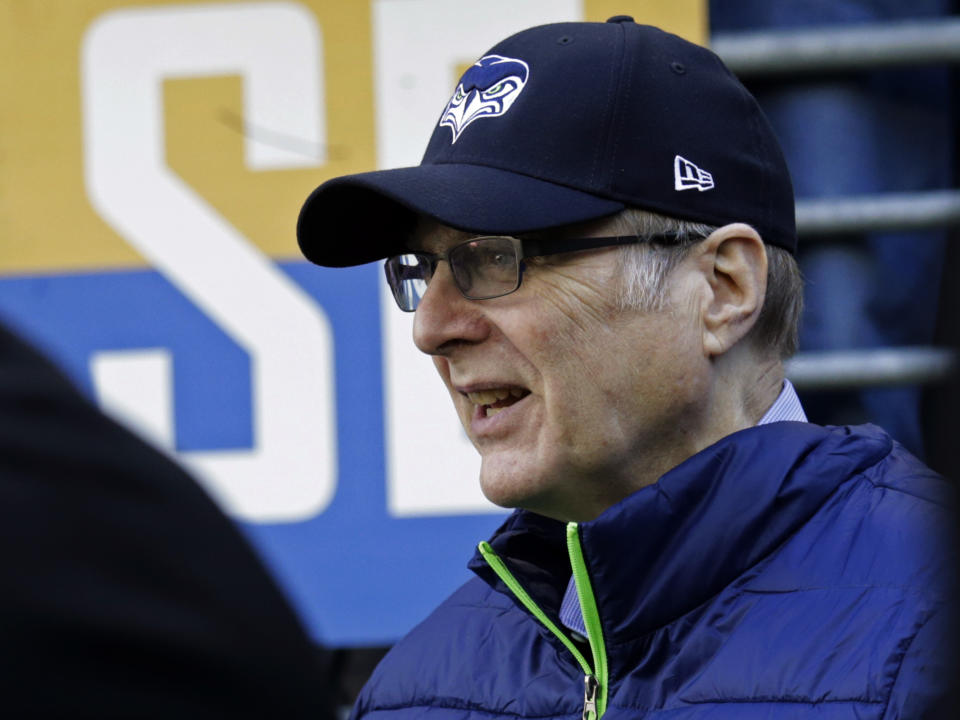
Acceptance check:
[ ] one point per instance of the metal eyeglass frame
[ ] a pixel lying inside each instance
(522, 249)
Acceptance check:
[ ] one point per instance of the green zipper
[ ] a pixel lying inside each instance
(591, 616)
(595, 681)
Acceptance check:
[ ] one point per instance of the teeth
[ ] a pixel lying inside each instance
(488, 397)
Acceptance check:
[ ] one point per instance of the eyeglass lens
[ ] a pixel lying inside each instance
(407, 276)
(486, 267)
(482, 268)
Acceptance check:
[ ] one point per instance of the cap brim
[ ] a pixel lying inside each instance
(355, 219)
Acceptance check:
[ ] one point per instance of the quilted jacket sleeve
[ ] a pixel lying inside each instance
(926, 672)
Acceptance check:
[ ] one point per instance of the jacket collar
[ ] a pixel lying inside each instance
(670, 546)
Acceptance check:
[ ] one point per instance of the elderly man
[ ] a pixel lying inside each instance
(598, 248)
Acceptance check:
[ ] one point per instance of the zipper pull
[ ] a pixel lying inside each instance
(590, 687)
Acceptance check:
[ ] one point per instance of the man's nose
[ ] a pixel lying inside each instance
(445, 319)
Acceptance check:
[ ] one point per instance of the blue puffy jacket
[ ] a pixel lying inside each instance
(788, 570)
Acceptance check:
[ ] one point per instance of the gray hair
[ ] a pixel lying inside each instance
(646, 266)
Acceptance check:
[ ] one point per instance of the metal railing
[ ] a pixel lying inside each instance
(885, 211)
(839, 49)
(823, 50)
(882, 367)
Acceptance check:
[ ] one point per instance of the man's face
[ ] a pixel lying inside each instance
(572, 403)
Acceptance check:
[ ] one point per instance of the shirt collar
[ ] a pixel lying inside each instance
(786, 407)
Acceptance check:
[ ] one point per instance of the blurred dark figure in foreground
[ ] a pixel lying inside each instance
(124, 591)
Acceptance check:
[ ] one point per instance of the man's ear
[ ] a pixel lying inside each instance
(734, 262)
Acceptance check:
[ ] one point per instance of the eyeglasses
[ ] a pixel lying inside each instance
(483, 267)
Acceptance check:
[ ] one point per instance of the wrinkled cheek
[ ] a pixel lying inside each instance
(443, 368)
(554, 345)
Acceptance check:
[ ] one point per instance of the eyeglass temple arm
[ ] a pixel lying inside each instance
(535, 248)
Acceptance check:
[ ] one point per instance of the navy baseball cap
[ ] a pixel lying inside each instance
(566, 123)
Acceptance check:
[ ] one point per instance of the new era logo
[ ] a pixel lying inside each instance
(686, 175)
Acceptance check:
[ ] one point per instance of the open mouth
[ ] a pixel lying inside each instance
(493, 401)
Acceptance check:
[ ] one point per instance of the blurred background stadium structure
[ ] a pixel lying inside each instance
(154, 155)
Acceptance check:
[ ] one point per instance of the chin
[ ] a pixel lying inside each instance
(518, 488)
(503, 497)
(510, 489)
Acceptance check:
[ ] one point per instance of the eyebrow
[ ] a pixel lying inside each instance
(438, 239)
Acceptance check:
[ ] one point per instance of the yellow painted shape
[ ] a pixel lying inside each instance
(686, 18)
(46, 222)
(205, 136)
(45, 219)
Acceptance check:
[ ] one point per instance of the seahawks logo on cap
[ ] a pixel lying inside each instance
(486, 90)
